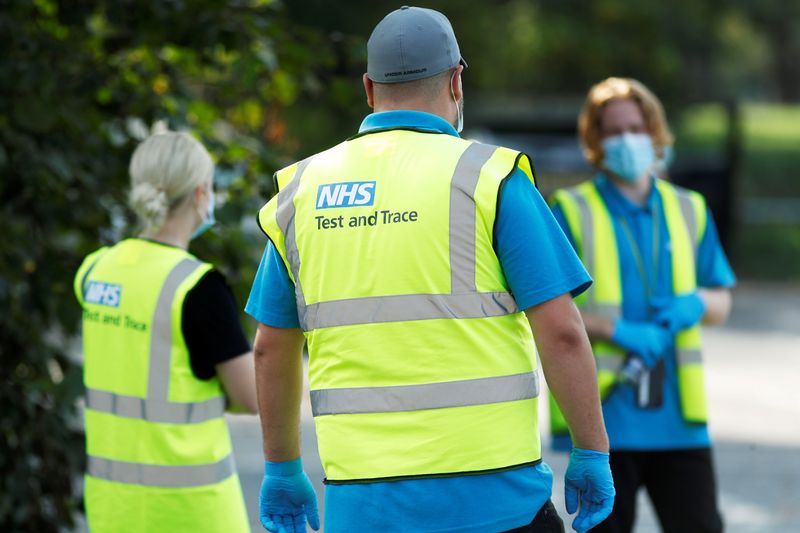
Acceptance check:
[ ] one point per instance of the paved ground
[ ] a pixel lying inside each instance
(753, 369)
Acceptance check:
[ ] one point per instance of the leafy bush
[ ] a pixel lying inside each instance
(82, 82)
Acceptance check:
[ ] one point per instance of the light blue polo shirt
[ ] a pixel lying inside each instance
(539, 264)
(630, 427)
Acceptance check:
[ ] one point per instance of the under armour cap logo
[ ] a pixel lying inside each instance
(405, 72)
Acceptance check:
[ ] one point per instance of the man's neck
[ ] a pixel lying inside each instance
(433, 108)
(637, 192)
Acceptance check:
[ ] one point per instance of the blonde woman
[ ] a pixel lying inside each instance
(659, 274)
(164, 357)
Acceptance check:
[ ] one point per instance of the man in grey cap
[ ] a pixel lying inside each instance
(421, 267)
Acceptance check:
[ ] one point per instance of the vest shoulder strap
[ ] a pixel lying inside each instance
(525, 163)
(576, 203)
(692, 206)
(88, 264)
(511, 160)
(282, 177)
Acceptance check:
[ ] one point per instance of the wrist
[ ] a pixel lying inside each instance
(595, 441)
(608, 328)
(283, 468)
(583, 453)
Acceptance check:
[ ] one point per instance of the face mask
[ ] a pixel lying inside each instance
(629, 156)
(459, 108)
(209, 219)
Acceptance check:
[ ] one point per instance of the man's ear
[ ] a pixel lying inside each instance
(455, 83)
(369, 88)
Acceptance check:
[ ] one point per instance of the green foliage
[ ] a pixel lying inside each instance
(82, 82)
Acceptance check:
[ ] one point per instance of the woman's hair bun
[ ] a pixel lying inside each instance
(150, 203)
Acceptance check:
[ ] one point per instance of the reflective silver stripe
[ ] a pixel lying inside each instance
(158, 371)
(284, 215)
(405, 307)
(587, 243)
(587, 230)
(463, 214)
(690, 357)
(394, 399)
(154, 410)
(687, 209)
(157, 407)
(609, 363)
(167, 476)
(690, 219)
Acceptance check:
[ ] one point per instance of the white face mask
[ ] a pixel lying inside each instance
(459, 107)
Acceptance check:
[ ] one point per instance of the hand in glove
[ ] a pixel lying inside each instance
(287, 498)
(680, 312)
(588, 488)
(646, 340)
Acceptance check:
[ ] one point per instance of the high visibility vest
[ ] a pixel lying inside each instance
(420, 362)
(159, 455)
(592, 228)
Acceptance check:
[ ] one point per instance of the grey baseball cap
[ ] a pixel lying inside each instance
(411, 43)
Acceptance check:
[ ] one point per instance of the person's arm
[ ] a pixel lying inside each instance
(569, 368)
(570, 371)
(279, 383)
(287, 498)
(717, 303)
(714, 276)
(239, 384)
(710, 304)
(598, 328)
(217, 343)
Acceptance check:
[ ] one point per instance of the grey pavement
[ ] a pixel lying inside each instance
(753, 365)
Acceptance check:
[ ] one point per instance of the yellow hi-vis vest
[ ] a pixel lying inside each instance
(159, 455)
(592, 228)
(420, 361)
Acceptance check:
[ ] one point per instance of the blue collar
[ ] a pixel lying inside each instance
(619, 203)
(406, 119)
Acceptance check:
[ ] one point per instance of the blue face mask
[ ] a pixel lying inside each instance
(629, 156)
(208, 221)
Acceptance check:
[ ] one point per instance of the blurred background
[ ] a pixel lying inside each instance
(264, 83)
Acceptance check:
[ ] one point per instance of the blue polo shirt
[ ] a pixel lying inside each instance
(539, 264)
(630, 427)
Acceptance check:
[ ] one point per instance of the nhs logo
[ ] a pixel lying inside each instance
(101, 293)
(349, 194)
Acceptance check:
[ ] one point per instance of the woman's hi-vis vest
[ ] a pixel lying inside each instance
(159, 455)
(420, 361)
(592, 228)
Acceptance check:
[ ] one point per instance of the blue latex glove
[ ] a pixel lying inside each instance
(646, 340)
(588, 488)
(287, 498)
(680, 312)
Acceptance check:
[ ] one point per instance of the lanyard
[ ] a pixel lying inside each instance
(647, 282)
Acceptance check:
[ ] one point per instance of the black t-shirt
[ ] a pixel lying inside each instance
(211, 326)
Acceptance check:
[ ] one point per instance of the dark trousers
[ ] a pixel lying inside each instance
(545, 521)
(680, 484)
